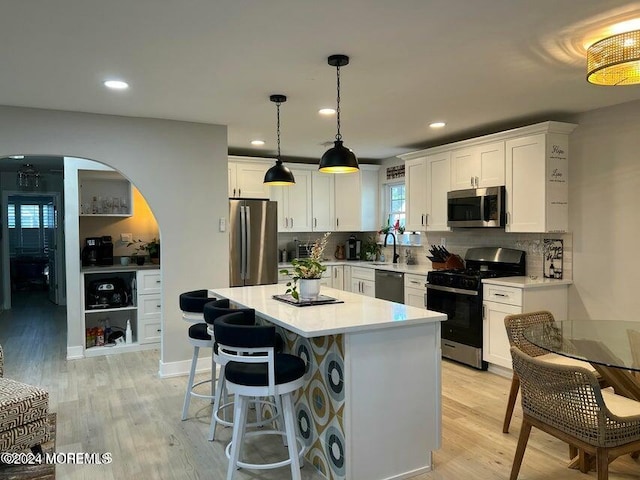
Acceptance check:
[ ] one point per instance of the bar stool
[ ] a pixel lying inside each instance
(192, 306)
(255, 370)
(212, 311)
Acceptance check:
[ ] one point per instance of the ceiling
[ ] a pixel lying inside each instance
(480, 66)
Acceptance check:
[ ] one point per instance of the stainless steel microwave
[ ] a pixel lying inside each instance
(476, 207)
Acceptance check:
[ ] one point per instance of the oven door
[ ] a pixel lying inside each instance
(464, 313)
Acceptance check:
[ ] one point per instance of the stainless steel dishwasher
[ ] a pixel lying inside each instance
(390, 286)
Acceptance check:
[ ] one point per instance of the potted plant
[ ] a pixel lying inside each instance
(370, 249)
(307, 272)
(152, 248)
(383, 232)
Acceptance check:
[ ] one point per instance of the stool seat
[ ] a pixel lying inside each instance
(198, 331)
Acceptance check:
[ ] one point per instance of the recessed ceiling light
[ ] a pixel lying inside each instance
(17, 157)
(116, 84)
(257, 142)
(437, 124)
(327, 111)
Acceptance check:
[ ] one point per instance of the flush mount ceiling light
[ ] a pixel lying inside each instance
(116, 84)
(28, 177)
(327, 111)
(615, 60)
(279, 175)
(437, 124)
(257, 142)
(338, 159)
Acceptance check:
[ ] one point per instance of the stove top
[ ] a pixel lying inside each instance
(482, 262)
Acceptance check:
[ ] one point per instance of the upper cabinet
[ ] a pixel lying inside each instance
(104, 193)
(294, 203)
(323, 206)
(356, 200)
(537, 187)
(427, 184)
(478, 166)
(531, 162)
(246, 177)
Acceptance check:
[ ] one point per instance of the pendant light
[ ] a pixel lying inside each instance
(279, 175)
(338, 159)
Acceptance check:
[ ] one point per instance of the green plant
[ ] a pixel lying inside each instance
(384, 229)
(370, 249)
(152, 247)
(307, 268)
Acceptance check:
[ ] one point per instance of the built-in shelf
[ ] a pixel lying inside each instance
(107, 310)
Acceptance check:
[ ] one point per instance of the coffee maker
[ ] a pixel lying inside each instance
(97, 251)
(353, 248)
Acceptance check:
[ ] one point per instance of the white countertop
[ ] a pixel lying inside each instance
(132, 267)
(393, 267)
(526, 282)
(358, 313)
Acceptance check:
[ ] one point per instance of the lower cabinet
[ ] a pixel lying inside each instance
(414, 290)
(149, 306)
(500, 301)
(112, 298)
(337, 277)
(363, 281)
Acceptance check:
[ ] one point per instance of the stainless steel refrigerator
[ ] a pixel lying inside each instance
(253, 242)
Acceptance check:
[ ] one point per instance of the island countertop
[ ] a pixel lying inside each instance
(358, 313)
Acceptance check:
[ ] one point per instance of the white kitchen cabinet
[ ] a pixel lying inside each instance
(427, 182)
(246, 177)
(500, 301)
(478, 166)
(537, 187)
(363, 281)
(337, 277)
(414, 290)
(104, 194)
(294, 203)
(356, 200)
(323, 201)
(149, 306)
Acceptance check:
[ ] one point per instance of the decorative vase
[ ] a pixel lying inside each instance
(140, 260)
(309, 288)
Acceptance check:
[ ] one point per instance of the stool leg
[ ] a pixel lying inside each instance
(290, 427)
(213, 376)
(216, 404)
(240, 420)
(279, 425)
(192, 374)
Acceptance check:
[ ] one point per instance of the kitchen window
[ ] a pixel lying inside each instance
(395, 204)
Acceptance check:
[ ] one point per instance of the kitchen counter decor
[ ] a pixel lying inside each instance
(307, 272)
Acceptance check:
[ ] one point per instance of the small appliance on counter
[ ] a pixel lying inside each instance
(97, 251)
(108, 293)
(353, 248)
(298, 250)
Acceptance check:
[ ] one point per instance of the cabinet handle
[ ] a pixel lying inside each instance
(158, 306)
(337, 222)
(234, 192)
(158, 330)
(291, 222)
(500, 295)
(426, 219)
(506, 218)
(422, 221)
(315, 223)
(239, 192)
(286, 222)
(472, 182)
(477, 182)
(158, 281)
(484, 310)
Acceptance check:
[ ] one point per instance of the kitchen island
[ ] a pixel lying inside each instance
(370, 408)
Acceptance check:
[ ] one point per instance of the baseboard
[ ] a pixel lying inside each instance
(182, 367)
(499, 370)
(74, 353)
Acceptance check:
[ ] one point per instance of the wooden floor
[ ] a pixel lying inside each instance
(118, 404)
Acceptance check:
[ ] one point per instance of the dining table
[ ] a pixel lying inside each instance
(612, 347)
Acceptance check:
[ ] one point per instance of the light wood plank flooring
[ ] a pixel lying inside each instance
(118, 404)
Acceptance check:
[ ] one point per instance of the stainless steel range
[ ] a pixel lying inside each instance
(458, 293)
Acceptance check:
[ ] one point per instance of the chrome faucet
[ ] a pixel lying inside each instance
(396, 255)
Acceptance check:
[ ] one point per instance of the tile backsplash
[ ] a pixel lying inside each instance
(457, 242)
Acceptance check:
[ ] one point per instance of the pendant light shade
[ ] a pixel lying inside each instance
(338, 159)
(615, 60)
(279, 175)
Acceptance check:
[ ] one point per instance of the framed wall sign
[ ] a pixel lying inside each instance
(552, 265)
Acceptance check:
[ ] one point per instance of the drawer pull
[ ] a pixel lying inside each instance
(500, 295)
(158, 306)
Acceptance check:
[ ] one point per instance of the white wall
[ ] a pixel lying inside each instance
(179, 167)
(604, 213)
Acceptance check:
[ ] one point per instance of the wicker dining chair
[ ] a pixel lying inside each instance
(567, 402)
(516, 325)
